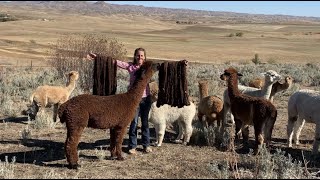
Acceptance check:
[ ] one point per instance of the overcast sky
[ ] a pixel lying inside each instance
(295, 8)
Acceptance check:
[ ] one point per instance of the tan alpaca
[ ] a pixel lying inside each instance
(209, 106)
(276, 87)
(257, 83)
(154, 89)
(46, 96)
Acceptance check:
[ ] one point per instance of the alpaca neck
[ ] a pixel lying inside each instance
(203, 90)
(266, 90)
(71, 85)
(233, 90)
(138, 87)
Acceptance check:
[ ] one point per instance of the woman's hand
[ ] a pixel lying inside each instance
(91, 56)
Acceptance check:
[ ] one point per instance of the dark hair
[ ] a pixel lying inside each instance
(135, 61)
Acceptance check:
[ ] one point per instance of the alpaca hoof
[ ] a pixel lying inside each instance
(256, 151)
(112, 158)
(156, 144)
(74, 166)
(120, 158)
(178, 141)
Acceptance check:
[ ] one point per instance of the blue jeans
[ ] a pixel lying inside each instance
(143, 112)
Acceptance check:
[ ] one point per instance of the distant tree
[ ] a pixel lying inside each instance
(256, 60)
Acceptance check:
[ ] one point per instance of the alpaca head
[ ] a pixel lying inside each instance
(288, 80)
(271, 76)
(228, 73)
(143, 70)
(73, 75)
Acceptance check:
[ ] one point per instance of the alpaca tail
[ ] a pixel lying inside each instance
(31, 97)
(61, 112)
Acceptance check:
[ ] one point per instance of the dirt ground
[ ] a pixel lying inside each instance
(42, 156)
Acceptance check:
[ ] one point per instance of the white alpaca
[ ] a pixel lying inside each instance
(168, 114)
(46, 96)
(303, 105)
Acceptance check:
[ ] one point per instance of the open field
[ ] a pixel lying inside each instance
(29, 39)
(38, 151)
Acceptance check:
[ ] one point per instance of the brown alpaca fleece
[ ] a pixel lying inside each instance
(104, 76)
(173, 85)
(249, 110)
(209, 106)
(114, 112)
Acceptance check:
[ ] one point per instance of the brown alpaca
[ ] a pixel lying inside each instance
(209, 106)
(114, 112)
(281, 86)
(249, 110)
(276, 87)
(257, 83)
(45, 96)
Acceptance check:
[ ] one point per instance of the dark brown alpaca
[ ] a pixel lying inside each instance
(249, 110)
(113, 112)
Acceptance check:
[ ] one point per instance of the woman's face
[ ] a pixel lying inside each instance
(140, 57)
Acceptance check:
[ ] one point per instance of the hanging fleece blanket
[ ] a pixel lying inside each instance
(173, 85)
(104, 76)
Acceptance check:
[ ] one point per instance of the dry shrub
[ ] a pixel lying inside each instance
(69, 53)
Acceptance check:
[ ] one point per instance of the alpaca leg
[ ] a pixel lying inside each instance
(181, 132)
(219, 118)
(200, 118)
(120, 132)
(316, 139)
(112, 143)
(245, 134)
(238, 123)
(297, 130)
(268, 130)
(291, 124)
(33, 110)
(188, 132)
(156, 128)
(55, 112)
(161, 131)
(71, 145)
(258, 136)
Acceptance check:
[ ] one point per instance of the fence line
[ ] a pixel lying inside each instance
(128, 59)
